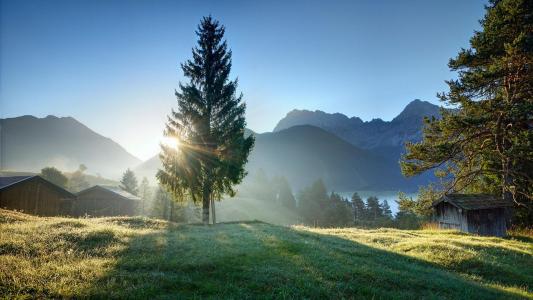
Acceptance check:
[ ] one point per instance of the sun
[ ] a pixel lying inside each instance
(170, 142)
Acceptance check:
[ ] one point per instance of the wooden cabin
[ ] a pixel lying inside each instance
(474, 213)
(101, 200)
(34, 195)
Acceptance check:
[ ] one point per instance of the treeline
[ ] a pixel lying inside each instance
(315, 206)
(79, 180)
(318, 208)
(75, 181)
(312, 206)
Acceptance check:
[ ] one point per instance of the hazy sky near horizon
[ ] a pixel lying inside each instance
(113, 65)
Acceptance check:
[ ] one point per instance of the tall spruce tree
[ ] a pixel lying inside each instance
(359, 208)
(385, 208)
(485, 144)
(129, 182)
(373, 208)
(209, 125)
(312, 203)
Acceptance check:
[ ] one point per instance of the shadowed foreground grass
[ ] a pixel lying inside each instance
(145, 258)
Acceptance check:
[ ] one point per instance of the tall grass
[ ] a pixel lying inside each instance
(146, 259)
(430, 226)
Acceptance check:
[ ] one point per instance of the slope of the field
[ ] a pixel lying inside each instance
(145, 258)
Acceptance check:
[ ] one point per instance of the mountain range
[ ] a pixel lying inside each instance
(28, 143)
(347, 153)
(367, 135)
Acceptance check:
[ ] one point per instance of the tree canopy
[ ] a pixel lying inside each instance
(129, 182)
(55, 176)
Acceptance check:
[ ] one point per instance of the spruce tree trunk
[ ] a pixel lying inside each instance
(205, 207)
(213, 214)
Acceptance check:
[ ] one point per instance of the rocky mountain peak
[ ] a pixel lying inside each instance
(418, 109)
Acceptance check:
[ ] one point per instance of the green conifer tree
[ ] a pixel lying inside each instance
(312, 202)
(359, 209)
(129, 182)
(385, 208)
(209, 125)
(485, 142)
(373, 208)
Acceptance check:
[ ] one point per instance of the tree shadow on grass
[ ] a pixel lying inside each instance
(522, 238)
(495, 263)
(257, 260)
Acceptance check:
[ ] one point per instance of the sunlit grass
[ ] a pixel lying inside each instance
(146, 258)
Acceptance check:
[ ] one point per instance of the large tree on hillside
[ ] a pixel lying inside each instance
(209, 125)
(485, 144)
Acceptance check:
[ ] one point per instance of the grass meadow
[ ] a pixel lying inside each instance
(134, 257)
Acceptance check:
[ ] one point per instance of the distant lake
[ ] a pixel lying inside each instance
(390, 196)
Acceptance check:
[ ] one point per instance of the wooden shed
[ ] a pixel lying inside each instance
(474, 213)
(101, 200)
(34, 195)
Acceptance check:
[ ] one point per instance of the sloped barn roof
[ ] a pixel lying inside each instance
(473, 201)
(112, 189)
(9, 181)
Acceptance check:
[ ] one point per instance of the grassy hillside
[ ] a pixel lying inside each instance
(145, 258)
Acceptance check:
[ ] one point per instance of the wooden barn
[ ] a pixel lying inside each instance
(100, 200)
(34, 195)
(474, 213)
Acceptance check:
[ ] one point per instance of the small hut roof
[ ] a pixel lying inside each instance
(113, 189)
(6, 181)
(473, 201)
(9, 181)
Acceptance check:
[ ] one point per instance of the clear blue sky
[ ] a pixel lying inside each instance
(113, 65)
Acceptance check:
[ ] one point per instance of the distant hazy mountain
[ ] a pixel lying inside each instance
(347, 153)
(148, 169)
(306, 153)
(367, 135)
(28, 143)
